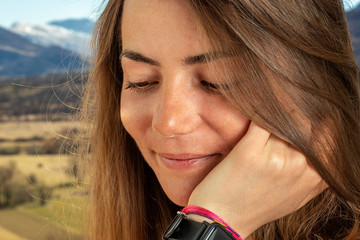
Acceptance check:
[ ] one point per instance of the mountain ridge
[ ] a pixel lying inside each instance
(20, 57)
(48, 35)
(83, 25)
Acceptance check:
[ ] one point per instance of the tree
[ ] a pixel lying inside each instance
(6, 176)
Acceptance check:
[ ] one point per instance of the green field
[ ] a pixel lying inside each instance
(18, 224)
(61, 216)
(6, 234)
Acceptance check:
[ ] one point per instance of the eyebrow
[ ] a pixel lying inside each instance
(137, 57)
(205, 58)
(191, 60)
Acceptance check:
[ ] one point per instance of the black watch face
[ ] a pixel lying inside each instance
(182, 228)
(217, 232)
(173, 227)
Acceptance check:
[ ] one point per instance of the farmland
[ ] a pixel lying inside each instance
(41, 194)
(60, 215)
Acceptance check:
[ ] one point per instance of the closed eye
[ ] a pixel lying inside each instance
(140, 86)
(210, 86)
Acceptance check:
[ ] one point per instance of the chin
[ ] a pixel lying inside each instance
(179, 190)
(181, 200)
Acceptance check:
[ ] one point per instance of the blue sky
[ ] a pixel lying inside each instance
(42, 11)
(351, 3)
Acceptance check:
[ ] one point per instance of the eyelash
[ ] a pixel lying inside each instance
(212, 87)
(140, 86)
(147, 85)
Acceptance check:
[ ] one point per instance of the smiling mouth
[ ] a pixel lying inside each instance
(186, 161)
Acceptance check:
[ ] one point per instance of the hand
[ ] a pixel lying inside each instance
(262, 179)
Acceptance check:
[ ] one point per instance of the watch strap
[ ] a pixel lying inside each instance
(216, 231)
(183, 228)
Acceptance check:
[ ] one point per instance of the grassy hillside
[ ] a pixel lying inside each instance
(54, 96)
(56, 213)
(40, 194)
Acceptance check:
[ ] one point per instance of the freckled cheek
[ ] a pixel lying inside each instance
(135, 116)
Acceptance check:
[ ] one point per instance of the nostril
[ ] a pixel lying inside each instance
(176, 110)
(173, 123)
(165, 127)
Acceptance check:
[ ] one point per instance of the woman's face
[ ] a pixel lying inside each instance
(169, 103)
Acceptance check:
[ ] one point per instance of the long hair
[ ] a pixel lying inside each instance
(294, 65)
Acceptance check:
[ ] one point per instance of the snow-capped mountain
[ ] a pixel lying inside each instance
(51, 35)
(20, 57)
(79, 25)
(27, 50)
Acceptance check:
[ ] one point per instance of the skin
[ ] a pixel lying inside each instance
(176, 102)
(245, 174)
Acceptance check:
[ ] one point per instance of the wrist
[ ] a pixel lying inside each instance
(184, 228)
(209, 215)
(199, 218)
(241, 222)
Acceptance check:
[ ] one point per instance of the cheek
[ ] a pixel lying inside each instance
(135, 115)
(127, 114)
(228, 123)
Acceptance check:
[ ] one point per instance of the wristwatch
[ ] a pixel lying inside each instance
(183, 228)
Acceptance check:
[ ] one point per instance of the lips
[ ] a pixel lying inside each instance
(186, 161)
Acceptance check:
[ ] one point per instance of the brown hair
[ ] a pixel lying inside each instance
(294, 64)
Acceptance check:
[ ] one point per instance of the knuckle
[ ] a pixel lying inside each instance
(276, 162)
(299, 162)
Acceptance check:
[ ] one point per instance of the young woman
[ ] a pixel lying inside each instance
(248, 109)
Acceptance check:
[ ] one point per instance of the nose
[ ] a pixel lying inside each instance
(176, 111)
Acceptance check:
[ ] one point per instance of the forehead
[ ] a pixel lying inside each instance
(161, 26)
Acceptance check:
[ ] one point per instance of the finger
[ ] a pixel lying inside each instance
(312, 181)
(277, 145)
(322, 186)
(299, 161)
(256, 136)
(276, 141)
(276, 152)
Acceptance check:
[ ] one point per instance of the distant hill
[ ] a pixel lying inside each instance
(20, 57)
(83, 25)
(54, 95)
(353, 18)
(54, 35)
